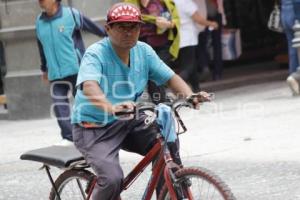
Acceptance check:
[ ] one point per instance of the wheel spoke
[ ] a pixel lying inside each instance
(72, 185)
(81, 189)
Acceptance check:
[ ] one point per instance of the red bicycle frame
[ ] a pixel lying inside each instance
(162, 166)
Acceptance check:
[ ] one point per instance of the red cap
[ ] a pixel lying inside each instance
(123, 12)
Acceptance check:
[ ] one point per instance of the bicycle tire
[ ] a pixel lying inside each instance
(68, 187)
(208, 180)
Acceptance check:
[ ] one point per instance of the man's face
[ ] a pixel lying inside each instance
(123, 35)
(47, 4)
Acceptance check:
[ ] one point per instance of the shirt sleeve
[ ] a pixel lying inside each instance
(189, 7)
(90, 26)
(86, 24)
(43, 66)
(159, 72)
(42, 56)
(90, 69)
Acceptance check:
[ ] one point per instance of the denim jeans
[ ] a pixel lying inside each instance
(288, 21)
(61, 104)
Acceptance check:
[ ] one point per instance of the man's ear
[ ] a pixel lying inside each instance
(107, 27)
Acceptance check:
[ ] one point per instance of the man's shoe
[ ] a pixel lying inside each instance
(294, 82)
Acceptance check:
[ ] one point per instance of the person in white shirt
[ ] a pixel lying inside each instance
(190, 17)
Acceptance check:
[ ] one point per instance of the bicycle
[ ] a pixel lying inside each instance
(77, 181)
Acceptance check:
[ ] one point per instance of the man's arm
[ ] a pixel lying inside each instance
(179, 86)
(202, 21)
(93, 92)
(43, 62)
(42, 56)
(90, 26)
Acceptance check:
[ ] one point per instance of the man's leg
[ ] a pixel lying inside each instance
(202, 56)
(142, 138)
(72, 80)
(100, 147)
(1, 85)
(217, 49)
(187, 63)
(61, 105)
(288, 20)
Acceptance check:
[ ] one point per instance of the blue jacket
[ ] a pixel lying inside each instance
(60, 43)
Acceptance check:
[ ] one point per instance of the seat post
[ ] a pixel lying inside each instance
(47, 168)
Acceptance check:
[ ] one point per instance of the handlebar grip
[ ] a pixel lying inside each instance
(140, 107)
(124, 112)
(201, 98)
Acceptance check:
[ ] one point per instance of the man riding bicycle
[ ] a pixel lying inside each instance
(113, 74)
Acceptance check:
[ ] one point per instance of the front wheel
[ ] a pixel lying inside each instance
(198, 184)
(72, 185)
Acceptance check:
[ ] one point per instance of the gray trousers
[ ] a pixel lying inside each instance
(101, 146)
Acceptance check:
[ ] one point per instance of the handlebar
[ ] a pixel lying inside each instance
(139, 107)
(175, 105)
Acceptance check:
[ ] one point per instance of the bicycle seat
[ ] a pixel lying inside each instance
(58, 156)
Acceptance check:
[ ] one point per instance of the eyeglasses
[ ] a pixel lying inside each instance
(126, 27)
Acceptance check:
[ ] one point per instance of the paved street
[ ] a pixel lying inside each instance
(249, 136)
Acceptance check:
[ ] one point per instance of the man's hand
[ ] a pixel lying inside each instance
(163, 23)
(45, 77)
(198, 98)
(213, 25)
(123, 107)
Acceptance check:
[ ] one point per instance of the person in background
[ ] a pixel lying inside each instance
(161, 32)
(215, 12)
(290, 12)
(202, 57)
(2, 75)
(61, 48)
(189, 18)
(2, 68)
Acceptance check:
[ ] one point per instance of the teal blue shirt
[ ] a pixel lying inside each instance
(118, 82)
(60, 43)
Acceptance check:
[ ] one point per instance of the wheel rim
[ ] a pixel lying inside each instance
(73, 188)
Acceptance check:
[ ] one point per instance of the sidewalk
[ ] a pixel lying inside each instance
(247, 74)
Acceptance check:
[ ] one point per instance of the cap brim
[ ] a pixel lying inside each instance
(124, 20)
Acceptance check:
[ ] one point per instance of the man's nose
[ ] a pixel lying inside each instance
(128, 32)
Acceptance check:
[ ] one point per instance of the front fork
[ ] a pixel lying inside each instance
(177, 189)
(169, 175)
